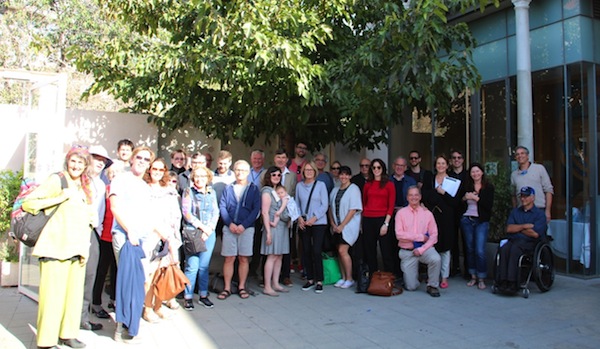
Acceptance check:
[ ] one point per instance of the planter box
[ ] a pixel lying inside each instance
(10, 274)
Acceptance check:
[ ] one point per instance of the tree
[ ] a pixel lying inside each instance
(322, 71)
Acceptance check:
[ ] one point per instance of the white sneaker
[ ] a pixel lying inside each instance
(347, 284)
(339, 283)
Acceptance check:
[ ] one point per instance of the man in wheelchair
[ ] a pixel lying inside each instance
(526, 226)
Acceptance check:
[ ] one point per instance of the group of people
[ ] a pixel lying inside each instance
(271, 220)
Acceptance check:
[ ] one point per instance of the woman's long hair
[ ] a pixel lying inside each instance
(384, 175)
(82, 153)
(470, 185)
(164, 181)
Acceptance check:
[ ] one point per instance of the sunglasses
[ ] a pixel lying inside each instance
(414, 158)
(275, 174)
(457, 157)
(365, 165)
(158, 169)
(138, 157)
(335, 168)
(174, 181)
(376, 167)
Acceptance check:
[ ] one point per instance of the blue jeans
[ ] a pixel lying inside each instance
(196, 268)
(476, 234)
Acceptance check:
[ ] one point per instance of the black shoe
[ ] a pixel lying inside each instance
(89, 326)
(71, 342)
(206, 302)
(308, 285)
(52, 347)
(101, 314)
(433, 291)
(319, 288)
(188, 304)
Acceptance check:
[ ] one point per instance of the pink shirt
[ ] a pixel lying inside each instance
(412, 225)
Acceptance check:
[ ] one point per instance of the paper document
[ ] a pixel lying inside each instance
(451, 185)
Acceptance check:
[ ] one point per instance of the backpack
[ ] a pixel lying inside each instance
(24, 226)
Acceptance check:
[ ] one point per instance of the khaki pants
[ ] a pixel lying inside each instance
(60, 301)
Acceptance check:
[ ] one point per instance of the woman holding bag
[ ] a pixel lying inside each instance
(167, 213)
(344, 217)
(311, 198)
(200, 211)
(62, 249)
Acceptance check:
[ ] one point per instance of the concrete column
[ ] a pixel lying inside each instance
(524, 99)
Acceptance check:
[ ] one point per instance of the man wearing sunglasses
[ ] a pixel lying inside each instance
(457, 170)
(416, 171)
(361, 177)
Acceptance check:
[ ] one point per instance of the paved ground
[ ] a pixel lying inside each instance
(566, 317)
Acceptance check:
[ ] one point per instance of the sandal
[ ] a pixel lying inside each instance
(472, 282)
(481, 284)
(243, 293)
(224, 295)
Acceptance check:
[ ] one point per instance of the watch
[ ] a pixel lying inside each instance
(386, 224)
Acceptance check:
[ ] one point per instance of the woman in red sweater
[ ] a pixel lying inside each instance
(379, 195)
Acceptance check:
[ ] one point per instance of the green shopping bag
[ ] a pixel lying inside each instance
(331, 269)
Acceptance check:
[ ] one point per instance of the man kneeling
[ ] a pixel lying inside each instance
(526, 226)
(417, 233)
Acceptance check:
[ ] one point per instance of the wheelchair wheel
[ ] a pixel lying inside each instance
(543, 267)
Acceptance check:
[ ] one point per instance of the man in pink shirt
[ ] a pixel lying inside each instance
(417, 233)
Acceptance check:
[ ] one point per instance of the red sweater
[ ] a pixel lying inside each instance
(377, 201)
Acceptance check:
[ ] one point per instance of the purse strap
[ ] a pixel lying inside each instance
(309, 197)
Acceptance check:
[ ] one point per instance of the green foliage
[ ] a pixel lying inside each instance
(10, 184)
(502, 203)
(323, 71)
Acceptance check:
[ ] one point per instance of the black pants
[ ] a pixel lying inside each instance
(371, 227)
(312, 246)
(509, 258)
(90, 275)
(106, 264)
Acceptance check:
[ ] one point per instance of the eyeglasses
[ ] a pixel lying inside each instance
(400, 165)
(275, 174)
(179, 159)
(335, 168)
(376, 167)
(138, 157)
(302, 148)
(414, 158)
(158, 169)
(320, 160)
(365, 165)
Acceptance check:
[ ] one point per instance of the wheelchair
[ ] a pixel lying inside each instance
(538, 266)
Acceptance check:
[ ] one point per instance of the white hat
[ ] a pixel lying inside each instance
(100, 151)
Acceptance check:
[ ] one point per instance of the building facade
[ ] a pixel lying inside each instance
(565, 65)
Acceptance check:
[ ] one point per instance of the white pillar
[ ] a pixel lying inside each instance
(524, 99)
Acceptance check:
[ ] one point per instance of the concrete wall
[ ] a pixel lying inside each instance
(105, 128)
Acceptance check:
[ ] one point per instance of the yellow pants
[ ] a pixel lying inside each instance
(60, 301)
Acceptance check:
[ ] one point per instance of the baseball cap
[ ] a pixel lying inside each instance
(526, 191)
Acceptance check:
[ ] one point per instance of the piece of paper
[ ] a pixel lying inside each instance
(451, 185)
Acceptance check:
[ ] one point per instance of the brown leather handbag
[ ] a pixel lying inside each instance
(382, 284)
(168, 282)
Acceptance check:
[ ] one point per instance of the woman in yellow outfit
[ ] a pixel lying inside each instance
(62, 249)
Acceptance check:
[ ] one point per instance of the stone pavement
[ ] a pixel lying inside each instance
(568, 316)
